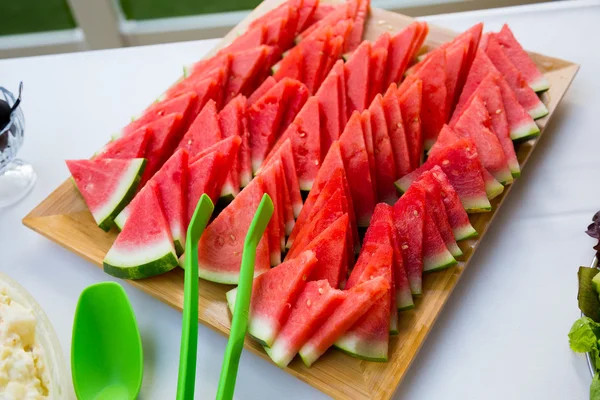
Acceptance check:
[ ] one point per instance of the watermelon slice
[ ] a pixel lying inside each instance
(330, 247)
(435, 253)
(356, 34)
(297, 94)
(435, 206)
(521, 60)
(521, 125)
(395, 128)
(489, 92)
(474, 123)
(314, 58)
(377, 70)
(206, 175)
(403, 295)
(127, 147)
(305, 14)
(334, 52)
(460, 163)
(270, 184)
(312, 308)
(261, 90)
(410, 106)
(341, 12)
(305, 137)
(525, 95)
(385, 166)
(288, 210)
(434, 107)
(145, 247)
(220, 247)
(291, 177)
(106, 185)
(272, 294)
(290, 66)
(338, 69)
(278, 33)
(356, 163)
(365, 120)
(357, 78)
(456, 59)
(321, 12)
(356, 303)
(231, 122)
(457, 217)
(401, 52)
(329, 96)
(409, 218)
(253, 37)
(245, 66)
(204, 132)
(368, 338)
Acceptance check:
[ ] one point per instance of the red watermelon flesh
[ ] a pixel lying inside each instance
(365, 119)
(305, 13)
(126, 147)
(145, 247)
(338, 69)
(181, 104)
(356, 164)
(253, 37)
(456, 58)
(321, 12)
(489, 92)
(206, 175)
(356, 34)
(205, 89)
(403, 295)
(357, 78)
(521, 60)
(435, 207)
(264, 121)
(521, 125)
(166, 133)
(106, 185)
(356, 303)
(333, 208)
(231, 122)
(457, 216)
(312, 308)
(525, 95)
(434, 101)
(409, 218)
(395, 126)
(377, 70)
(340, 13)
(435, 253)
(314, 58)
(460, 163)
(290, 66)
(383, 41)
(204, 132)
(245, 66)
(328, 96)
(280, 11)
(304, 133)
(273, 293)
(288, 210)
(278, 33)
(333, 54)
(220, 247)
(410, 106)
(289, 169)
(217, 93)
(400, 52)
(297, 94)
(261, 90)
(474, 123)
(330, 246)
(385, 167)
(269, 177)
(368, 337)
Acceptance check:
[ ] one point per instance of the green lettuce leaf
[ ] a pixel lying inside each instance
(583, 336)
(595, 388)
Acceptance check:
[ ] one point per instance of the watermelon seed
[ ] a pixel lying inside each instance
(161, 112)
(304, 277)
(445, 162)
(498, 111)
(404, 246)
(232, 238)
(321, 291)
(316, 162)
(308, 303)
(399, 124)
(416, 213)
(302, 134)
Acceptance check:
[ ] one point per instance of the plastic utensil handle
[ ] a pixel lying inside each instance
(242, 302)
(189, 324)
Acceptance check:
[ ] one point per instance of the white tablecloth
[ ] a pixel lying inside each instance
(503, 333)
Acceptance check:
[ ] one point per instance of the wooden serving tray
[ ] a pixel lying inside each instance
(63, 218)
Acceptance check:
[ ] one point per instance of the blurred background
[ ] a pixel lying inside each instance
(35, 27)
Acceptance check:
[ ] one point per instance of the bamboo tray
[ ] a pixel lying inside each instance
(63, 218)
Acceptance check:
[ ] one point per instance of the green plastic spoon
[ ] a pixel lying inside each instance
(107, 360)
(244, 291)
(189, 325)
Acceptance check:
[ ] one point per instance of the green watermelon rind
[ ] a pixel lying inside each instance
(258, 328)
(280, 357)
(493, 189)
(454, 250)
(438, 262)
(121, 218)
(404, 300)
(124, 194)
(394, 327)
(525, 131)
(228, 193)
(504, 176)
(476, 205)
(370, 351)
(515, 169)
(308, 355)
(541, 84)
(147, 266)
(226, 278)
(539, 111)
(464, 232)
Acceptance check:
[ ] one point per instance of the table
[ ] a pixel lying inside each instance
(503, 334)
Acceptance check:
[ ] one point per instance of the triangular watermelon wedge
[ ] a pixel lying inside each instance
(338, 69)
(272, 294)
(270, 184)
(385, 165)
(304, 134)
(231, 122)
(525, 95)
(296, 96)
(220, 247)
(290, 66)
(356, 163)
(204, 132)
(106, 185)
(457, 217)
(456, 59)
(127, 147)
(278, 33)
(312, 308)
(291, 177)
(377, 71)
(245, 66)
(435, 206)
(210, 88)
(288, 210)
(460, 163)
(253, 37)
(206, 175)
(307, 13)
(402, 49)
(328, 96)
(356, 303)
(436, 255)
(410, 105)
(368, 338)
(365, 120)
(320, 12)
(395, 128)
(521, 60)
(314, 58)
(264, 87)
(357, 78)
(356, 34)
(145, 247)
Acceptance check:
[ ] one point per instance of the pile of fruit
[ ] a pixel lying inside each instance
(299, 103)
